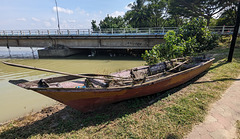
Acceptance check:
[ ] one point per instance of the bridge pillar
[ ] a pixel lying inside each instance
(56, 51)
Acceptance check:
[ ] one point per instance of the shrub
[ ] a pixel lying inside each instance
(191, 38)
(197, 27)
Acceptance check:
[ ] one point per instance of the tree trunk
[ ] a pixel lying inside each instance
(235, 33)
(176, 21)
(208, 21)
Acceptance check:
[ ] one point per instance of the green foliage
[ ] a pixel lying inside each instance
(197, 8)
(197, 28)
(151, 57)
(213, 22)
(173, 21)
(228, 17)
(137, 17)
(191, 38)
(112, 22)
(173, 47)
(152, 12)
(168, 13)
(156, 9)
(94, 26)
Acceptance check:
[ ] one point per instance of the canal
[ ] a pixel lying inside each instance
(16, 102)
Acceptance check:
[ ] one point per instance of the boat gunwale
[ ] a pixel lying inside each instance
(127, 86)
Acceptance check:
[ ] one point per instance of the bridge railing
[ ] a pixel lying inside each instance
(222, 29)
(107, 31)
(133, 31)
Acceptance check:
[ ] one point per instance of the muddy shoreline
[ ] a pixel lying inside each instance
(36, 116)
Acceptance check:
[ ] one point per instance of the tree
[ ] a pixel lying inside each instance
(139, 15)
(175, 16)
(173, 47)
(235, 34)
(138, 5)
(159, 13)
(112, 22)
(198, 8)
(191, 38)
(228, 17)
(156, 9)
(94, 26)
(173, 21)
(197, 27)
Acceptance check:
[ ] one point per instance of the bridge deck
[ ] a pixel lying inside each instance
(114, 38)
(107, 31)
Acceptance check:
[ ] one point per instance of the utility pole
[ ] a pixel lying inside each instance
(57, 17)
(235, 33)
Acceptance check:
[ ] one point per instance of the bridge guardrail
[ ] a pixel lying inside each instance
(225, 30)
(107, 31)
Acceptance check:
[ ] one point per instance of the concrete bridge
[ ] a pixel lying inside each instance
(66, 42)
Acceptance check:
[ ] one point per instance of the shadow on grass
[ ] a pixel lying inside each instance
(70, 120)
(221, 63)
(172, 136)
(219, 80)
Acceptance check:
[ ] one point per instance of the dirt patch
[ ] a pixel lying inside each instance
(33, 117)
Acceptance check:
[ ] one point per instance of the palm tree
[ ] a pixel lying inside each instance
(138, 5)
(138, 16)
(156, 9)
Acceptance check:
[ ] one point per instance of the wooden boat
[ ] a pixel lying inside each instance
(96, 91)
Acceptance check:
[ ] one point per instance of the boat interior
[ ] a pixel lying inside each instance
(128, 77)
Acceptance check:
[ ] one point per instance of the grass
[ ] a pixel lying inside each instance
(172, 115)
(238, 129)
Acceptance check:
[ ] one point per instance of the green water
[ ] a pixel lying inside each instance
(16, 102)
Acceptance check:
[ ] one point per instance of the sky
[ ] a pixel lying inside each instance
(73, 14)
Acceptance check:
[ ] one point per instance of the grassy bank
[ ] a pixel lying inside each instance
(238, 129)
(168, 115)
